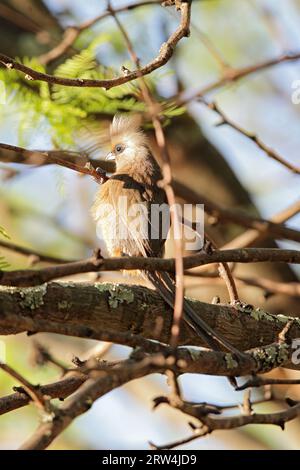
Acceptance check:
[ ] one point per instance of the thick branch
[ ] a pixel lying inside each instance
(130, 314)
(78, 310)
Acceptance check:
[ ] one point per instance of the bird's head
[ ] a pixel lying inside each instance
(128, 141)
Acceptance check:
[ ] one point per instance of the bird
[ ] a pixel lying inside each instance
(123, 210)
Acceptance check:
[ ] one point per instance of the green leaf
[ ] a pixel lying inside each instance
(3, 263)
(4, 233)
(62, 112)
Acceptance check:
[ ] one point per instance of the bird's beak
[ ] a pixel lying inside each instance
(110, 156)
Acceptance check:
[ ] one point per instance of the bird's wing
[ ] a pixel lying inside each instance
(140, 219)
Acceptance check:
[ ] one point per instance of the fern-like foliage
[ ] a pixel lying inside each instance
(64, 110)
(4, 233)
(94, 100)
(3, 263)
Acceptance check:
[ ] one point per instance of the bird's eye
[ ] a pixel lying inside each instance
(119, 148)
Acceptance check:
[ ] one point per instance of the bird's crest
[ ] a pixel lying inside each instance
(127, 128)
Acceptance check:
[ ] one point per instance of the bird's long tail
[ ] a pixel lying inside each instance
(165, 285)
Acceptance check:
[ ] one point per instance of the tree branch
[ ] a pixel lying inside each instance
(235, 216)
(102, 382)
(32, 277)
(60, 389)
(165, 54)
(88, 393)
(78, 162)
(36, 256)
(134, 315)
(233, 75)
(208, 424)
(73, 32)
(79, 309)
(267, 150)
(250, 236)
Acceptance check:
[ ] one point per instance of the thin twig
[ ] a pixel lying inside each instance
(270, 286)
(259, 143)
(233, 75)
(42, 356)
(208, 424)
(249, 237)
(226, 274)
(36, 256)
(73, 32)
(33, 391)
(258, 381)
(236, 216)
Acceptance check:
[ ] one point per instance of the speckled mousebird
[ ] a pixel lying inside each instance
(135, 184)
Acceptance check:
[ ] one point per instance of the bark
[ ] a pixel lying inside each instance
(124, 314)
